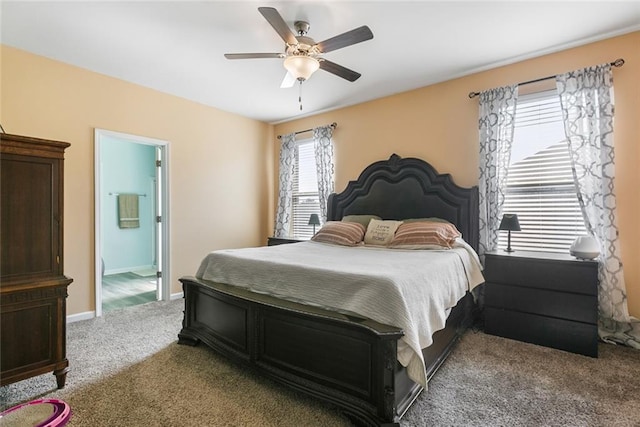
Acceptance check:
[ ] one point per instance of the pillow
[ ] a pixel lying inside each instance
(380, 232)
(362, 219)
(340, 233)
(425, 235)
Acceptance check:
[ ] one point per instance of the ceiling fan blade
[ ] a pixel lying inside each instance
(275, 19)
(253, 55)
(345, 39)
(288, 81)
(339, 70)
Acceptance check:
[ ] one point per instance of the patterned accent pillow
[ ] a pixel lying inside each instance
(425, 235)
(340, 233)
(380, 233)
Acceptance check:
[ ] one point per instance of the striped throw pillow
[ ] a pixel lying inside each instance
(425, 235)
(340, 233)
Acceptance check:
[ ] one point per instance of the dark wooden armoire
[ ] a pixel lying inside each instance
(33, 287)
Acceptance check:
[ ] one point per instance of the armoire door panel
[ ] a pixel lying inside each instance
(29, 216)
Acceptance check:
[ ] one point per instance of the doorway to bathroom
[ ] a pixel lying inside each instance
(131, 220)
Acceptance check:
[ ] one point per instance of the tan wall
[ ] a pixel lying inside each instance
(439, 124)
(221, 166)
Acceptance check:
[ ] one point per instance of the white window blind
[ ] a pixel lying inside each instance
(540, 188)
(305, 191)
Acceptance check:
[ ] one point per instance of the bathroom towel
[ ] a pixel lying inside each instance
(128, 211)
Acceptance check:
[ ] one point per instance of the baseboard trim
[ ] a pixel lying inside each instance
(127, 269)
(81, 316)
(176, 296)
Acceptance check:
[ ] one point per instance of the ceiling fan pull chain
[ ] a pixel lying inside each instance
(300, 94)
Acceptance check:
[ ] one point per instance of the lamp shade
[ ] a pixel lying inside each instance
(314, 219)
(509, 222)
(301, 66)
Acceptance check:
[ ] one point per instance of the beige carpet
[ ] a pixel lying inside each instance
(183, 386)
(128, 370)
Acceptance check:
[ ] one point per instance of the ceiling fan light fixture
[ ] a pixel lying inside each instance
(301, 66)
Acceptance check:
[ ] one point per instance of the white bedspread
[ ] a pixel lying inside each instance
(409, 289)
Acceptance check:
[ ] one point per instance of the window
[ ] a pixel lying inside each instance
(305, 199)
(540, 188)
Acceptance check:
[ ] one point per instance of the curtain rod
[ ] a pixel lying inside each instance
(617, 63)
(333, 125)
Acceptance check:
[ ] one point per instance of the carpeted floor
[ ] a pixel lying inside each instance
(128, 370)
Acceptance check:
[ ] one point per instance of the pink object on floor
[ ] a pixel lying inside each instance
(37, 413)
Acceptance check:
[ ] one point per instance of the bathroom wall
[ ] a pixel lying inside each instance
(127, 167)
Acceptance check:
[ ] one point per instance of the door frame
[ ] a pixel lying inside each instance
(163, 146)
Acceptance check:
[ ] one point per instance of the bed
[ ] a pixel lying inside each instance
(344, 358)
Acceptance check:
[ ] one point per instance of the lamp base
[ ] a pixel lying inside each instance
(509, 243)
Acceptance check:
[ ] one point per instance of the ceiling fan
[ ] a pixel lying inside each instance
(302, 54)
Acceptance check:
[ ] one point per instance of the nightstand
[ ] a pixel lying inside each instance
(542, 298)
(272, 241)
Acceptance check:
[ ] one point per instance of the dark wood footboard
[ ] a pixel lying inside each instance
(347, 361)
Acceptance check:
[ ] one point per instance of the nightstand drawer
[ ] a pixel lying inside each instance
(562, 305)
(576, 337)
(568, 275)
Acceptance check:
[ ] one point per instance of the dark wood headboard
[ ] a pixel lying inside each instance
(408, 188)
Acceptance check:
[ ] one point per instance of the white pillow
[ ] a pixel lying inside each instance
(380, 233)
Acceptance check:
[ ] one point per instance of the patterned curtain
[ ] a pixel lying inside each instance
(323, 147)
(287, 163)
(496, 124)
(587, 110)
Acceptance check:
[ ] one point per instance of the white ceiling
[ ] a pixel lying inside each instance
(177, 47)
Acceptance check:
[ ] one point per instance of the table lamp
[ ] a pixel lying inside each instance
(510, 223)
(314, 220)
